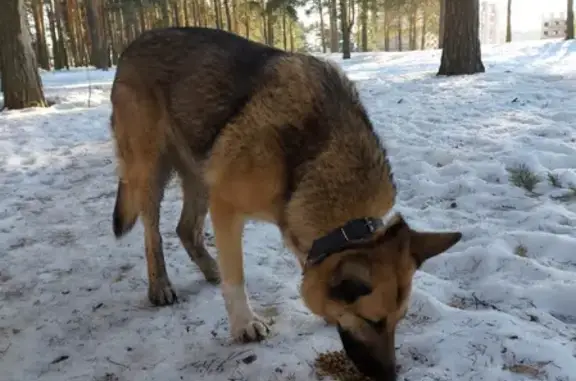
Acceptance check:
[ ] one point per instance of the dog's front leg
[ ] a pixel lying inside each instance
(228, 226)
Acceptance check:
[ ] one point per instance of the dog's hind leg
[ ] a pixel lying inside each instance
(191, 227)
(160, 290)
(144, 171)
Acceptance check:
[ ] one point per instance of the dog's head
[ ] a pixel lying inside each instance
(365, 291)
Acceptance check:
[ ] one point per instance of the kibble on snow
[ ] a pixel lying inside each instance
(338, 366)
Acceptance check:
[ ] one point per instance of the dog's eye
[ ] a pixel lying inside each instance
(349, 290)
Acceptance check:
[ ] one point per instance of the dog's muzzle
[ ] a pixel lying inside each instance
(374, 359)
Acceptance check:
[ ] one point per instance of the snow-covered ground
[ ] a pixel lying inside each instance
(501, 305)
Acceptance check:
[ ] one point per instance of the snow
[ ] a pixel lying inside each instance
(500, 305)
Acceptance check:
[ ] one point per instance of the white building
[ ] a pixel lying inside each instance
(554, 25)
(490, 31)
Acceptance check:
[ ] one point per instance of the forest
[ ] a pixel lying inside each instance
(62, 34)
(77, 33)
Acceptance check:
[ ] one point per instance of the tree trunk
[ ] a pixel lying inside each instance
(364, 22)
(56, 56)
(3, 75)
(399, 31)
(291, 26)
(374, 8)
(461, 53)
(235, 16)
(509, 22)
(345, 29)
(228, 15)
(165, 13)
(270, 26)
(72, 30)
(41, 46)
(284, 31)
(115, 37)
(352, 13)
(247, 15)
(176, 14)
(570, 20)
(218, 19)
(186, 13)
(264, 22)
(412, 31)
(183, 12)
(61, 40)
(21, 83)
(322, 35)
(141, 16)
(98, 43)
(415, 30)
(334, 40)
(358, 39)
(130, 21)
(192, 13)
(442, 24)
(387, 30)
(424, 31)
(203, 12)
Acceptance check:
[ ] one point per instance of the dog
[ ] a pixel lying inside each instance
(255, 132)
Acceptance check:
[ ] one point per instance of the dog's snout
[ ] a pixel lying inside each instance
(372, 359)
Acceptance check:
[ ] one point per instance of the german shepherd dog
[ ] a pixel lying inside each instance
(255, 132)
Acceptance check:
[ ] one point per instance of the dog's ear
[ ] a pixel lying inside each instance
(423, 244)
(397, 229)
(350, 280)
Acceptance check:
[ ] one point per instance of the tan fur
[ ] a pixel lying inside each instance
(253, 170)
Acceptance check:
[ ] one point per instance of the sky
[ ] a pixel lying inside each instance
(527, 14)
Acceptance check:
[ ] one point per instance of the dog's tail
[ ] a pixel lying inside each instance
(126, 206)
(125, 210)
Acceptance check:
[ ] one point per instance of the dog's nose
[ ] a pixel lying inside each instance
(373, 361)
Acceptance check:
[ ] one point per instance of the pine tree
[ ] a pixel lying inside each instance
(21, 83)
(570, 20)
(461, 52)
(509, 22)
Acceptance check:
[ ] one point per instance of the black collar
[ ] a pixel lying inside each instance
(342, 238)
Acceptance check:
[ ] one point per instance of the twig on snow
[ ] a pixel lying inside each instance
(117, 363)
(60, 359)
(482, 303)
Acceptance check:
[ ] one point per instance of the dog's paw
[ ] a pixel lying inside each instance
(207, 265)
(209, 268)
(250, 330)
(160, 293)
